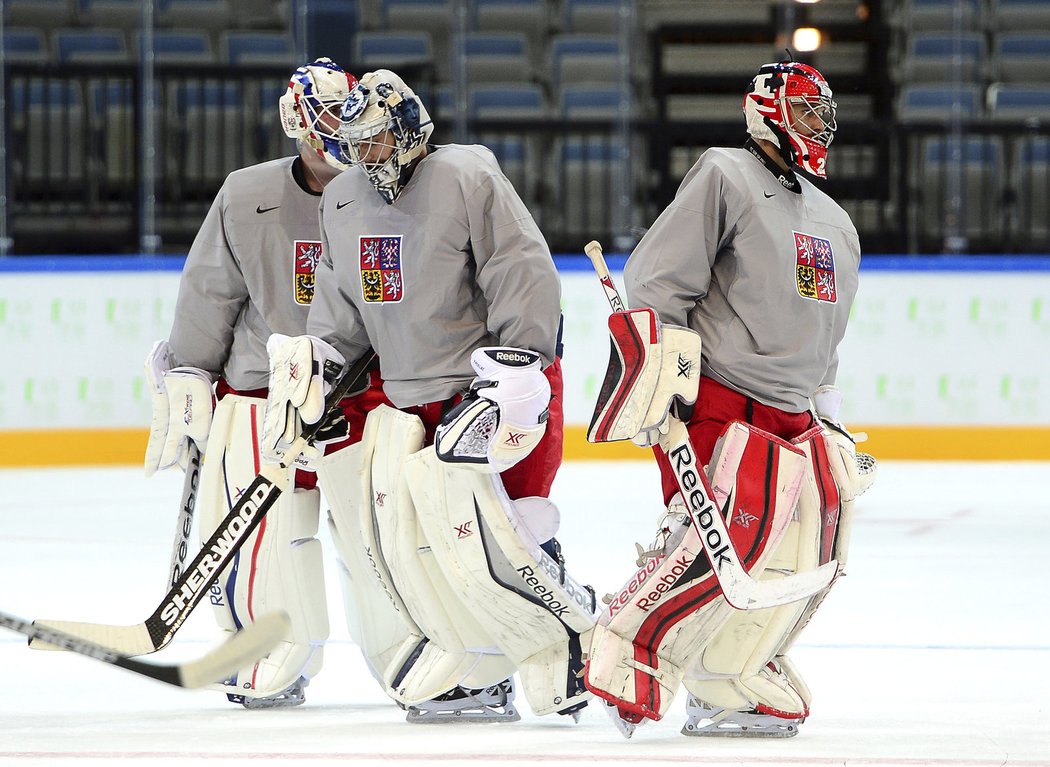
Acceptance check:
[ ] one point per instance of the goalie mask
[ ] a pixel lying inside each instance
(311, 106)
(791, 105)
(385, 129)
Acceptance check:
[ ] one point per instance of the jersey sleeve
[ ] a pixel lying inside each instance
(212, 294)
(670, 269)
(333, 315)
(515, 270)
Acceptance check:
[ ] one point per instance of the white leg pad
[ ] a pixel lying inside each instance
(535, 613)
(279, 567)
(420, 641)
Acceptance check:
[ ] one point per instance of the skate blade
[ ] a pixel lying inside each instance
(475, 716)
(715, 731)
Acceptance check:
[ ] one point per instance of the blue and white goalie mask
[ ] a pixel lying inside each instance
(385, 128)
(312, 105)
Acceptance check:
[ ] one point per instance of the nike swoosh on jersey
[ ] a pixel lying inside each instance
(341, 205)
(261, 209)
(768, 195)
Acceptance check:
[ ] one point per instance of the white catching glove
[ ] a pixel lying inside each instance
(183, 403)
(297, 389)
(503, 417)
(854, 472)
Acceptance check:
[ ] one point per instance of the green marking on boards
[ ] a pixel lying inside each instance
(82, 389)
(1004, 387)
(111, 309)
(56, 310)
(975, 309)
(943, 383)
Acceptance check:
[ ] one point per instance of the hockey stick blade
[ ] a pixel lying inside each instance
(741, 590)
(216, 553)
(243, 648)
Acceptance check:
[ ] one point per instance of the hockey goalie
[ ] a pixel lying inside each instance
(754, 533)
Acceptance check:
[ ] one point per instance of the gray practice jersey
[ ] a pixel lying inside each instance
(765, 275)
(249, 273)
(455, 263)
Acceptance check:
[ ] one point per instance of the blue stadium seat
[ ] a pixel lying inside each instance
(258, 48)
(391, 50)
(914, 15)
(933, 102)
(530, 17)
(578, 58)
(496, 101)
(497, 57)
(122, 14)
(934, 56)
(94, 45)
(178, 47)
(1022, 57)
(1019, 103)
(23, 45)
(593, 101)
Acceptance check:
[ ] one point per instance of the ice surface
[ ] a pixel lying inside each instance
(935, 650)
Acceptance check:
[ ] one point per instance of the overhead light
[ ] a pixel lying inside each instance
(806, 39)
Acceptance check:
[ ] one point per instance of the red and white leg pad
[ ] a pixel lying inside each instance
(650, 633)
(743, 668)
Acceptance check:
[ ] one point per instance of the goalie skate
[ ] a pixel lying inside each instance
(461, 704)
(293, 695)
(712, 721)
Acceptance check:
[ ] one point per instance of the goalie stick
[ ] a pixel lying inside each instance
(215, 553)
(243, 648)
(741, 590)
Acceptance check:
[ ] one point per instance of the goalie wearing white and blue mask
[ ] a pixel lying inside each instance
(440, 511)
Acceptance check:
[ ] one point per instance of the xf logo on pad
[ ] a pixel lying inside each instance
(464, 531)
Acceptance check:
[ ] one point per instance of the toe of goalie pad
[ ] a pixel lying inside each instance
(650, 366)
(423, 670)
(629, 677)
(771, 691)
(551, 678)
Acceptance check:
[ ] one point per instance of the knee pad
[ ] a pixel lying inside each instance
(279, 566)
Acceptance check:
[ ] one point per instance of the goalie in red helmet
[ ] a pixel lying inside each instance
(791, 105)
(748, 276)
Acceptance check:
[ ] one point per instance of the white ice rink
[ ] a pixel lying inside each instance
(935, 650)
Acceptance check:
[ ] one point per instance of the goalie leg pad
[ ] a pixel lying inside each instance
(536, 614)
(650, 632)
(411, 644)
(280, 565)
(743, 666)
(650, 365)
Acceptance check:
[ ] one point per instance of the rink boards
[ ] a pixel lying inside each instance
(945, 358)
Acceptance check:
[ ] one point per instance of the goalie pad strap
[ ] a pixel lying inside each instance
(673, 604)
